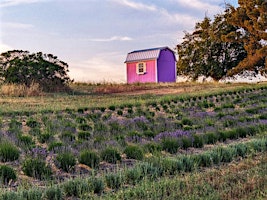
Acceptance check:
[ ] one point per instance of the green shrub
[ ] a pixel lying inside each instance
(26, 140)
(170, 145)
(198, 141)
(66, 161)
(112, 107)
(89, 158)
(84, 135)
(44, 137)
(110, 155)
(6, 174)
(85, 127)
(53, 145)
(188, 163)
(134, 152)
(227, 154)
(97, 185)
(35, 131)
(210, 138)
(186, 142)
(205, 159)
(32, 194)
(114, 181)
(149, 133)
(80, 120)
(53, 193)
(36, 168)
(119, 112)
(241, 149)
(32, 123)
(152, 147)
(8, 152)
(11, 195)
(76, 188)
(67, 136)
(133, 175)
(186, 121)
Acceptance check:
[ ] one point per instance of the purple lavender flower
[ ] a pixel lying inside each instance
(39, 152)
(175, 134)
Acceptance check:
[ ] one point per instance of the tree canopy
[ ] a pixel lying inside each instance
(233, 42)
(203, 53)
(22, 67)
(251, 18)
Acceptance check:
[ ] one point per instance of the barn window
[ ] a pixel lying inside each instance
(141, 68)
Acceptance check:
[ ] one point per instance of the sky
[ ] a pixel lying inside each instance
(94, 36)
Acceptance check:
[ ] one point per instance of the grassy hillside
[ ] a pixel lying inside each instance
(143, 141)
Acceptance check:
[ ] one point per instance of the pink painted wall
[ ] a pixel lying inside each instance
(149, 76)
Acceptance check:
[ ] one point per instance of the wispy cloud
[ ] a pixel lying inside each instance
(136, 5)
(7, 3)
(114, 38)
(15, 25)
(200, 5)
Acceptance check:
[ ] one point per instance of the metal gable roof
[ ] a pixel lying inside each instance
(145, 54)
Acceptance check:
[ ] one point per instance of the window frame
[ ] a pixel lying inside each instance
(138, 67)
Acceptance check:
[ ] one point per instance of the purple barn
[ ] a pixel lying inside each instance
(151, 65)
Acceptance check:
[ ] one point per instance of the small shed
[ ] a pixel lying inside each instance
(151, 65)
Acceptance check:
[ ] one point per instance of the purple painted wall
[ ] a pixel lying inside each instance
(148, 77)
(166, 66)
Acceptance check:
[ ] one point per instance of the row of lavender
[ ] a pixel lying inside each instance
(155, 127)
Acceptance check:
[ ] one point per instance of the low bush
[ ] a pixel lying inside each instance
(97, 185)
(84, 135)
(8, 152)
(85, 127)
(32, 123)
(133, 175)
(114, 181)
(7, 174)
(54, 145)
(210, 138)
(111, 155)
(89, 158)
(152, 147)
(36, 168)
(134, 152)
(170, 145)
(198, 141)
(53, 193)
(76, 188)
(66, 161)
(186, 142)
(44, 137)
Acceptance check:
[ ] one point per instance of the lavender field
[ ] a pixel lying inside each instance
(173, 146)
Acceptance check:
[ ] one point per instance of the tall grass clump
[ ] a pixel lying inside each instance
(111, 155)
(134, 152)
(7, 174)
(21, 90)
(65, 161)
(36, 168)
(8, 151)
(89, 158)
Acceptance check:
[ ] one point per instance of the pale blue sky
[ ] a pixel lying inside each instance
(94, 36)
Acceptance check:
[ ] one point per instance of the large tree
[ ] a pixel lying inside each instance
(203, 53)
(22, 67)
(251, 17)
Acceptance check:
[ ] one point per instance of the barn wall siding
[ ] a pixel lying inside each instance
(166, 66)
(149, 76)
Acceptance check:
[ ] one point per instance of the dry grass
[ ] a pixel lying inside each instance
(20, 90)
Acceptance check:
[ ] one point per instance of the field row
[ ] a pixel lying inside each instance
(96, 142)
